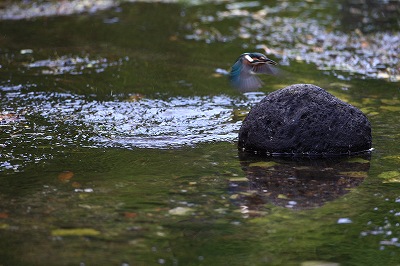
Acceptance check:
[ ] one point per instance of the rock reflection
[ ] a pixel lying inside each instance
(295, 184)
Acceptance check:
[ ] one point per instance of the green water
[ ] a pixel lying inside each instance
(118, 138)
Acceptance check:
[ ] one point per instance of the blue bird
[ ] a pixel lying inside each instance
(243, 73)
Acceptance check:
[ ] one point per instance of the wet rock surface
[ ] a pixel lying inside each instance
(304, 120)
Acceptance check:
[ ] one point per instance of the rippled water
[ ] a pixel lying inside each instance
(319, 40)
(141, 123)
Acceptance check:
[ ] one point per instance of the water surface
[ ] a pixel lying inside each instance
(119, 129)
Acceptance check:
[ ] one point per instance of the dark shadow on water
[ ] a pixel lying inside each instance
(297, 184)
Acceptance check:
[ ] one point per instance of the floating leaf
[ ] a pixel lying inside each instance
(238, 179)
(391, 108)
(319, 263)
(393, 157)
(135, 97)
(180, 211)
(234, 196)
(372, 113)
(390, 101)
(3, 215)
(130, 214)
(239, 114)
(263, 164)
(75, 232)
(65, 176)
(4, 226)
(390, 176)
(357, 160)
(76, 185)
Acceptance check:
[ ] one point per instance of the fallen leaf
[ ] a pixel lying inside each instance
(357, 160)
(390, 101)
(263, 164)
(234, 196)
(130, 214)
(65, 176)
(3, 215)
(390, 177)
(391, 108)
(135, 97)
(75, 232)
(389, 174)
(393, 157)
(238, 179)
(180, 211)
(4, 226)
(319, 263)
(76, 185)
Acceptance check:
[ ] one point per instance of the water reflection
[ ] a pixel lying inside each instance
(297, 184)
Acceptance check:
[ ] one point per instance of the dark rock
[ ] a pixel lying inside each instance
(304, 120)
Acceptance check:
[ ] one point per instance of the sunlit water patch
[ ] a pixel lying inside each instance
(36, 124)
(72, 65)
(151, 123)
(298, 31)
(29, 10)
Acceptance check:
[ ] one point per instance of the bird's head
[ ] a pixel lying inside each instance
(255, 59)
(242, 75)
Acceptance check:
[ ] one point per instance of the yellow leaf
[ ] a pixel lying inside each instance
(393, 157)
(4, 226)
(75, 232)
(234, 196)
(390, 101)
(357, 160)
(238, 179)
(389, 174)
(391, 108)
(263, 164)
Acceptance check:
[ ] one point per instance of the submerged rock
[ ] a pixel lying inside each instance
(304, 120)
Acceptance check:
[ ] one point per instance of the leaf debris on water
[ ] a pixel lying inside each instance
(75, 232)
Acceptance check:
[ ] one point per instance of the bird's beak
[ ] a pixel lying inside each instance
(270, 62)
(264, 60)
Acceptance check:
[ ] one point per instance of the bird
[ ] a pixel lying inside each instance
(243, 73)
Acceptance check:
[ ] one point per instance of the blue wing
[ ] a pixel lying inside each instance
(243, 78)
